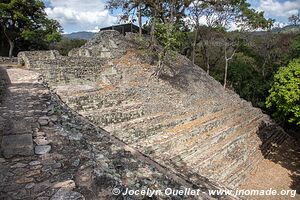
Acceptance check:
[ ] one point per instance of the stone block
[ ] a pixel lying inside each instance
(13, 145)
(21, 127)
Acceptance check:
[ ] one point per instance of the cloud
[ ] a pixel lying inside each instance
(276, 8)
(78, 15)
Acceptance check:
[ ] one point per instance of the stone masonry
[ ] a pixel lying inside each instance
(185, 120)
(64, 156)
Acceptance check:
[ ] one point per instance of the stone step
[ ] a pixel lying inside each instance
(180, 130)
(277, 137)
(201, 144)
(13, 145)
(209, 153)
(238, 174)
(204, 138)
(115, 117)
(144, 130)
(250, 148)
(97, 100)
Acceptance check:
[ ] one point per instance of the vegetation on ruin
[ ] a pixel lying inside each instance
(249, 59)
(244, 60)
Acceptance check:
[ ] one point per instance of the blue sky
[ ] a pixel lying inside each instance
(90, 15)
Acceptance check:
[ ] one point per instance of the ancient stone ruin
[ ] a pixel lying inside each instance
(184, 124)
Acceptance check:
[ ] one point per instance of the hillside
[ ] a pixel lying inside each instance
(79, 35)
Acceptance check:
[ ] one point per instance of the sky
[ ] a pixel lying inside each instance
(91, 15)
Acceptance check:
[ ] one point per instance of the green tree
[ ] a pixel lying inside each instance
(26, 20)
(284, 95)
(170, 38)
(66, 45)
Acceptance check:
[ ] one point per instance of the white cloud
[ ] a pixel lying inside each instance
(279, 9)
(78, 15)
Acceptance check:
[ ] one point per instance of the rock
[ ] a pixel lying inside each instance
(32, 163)
(24, 180)
(41, 141)
(63, 194)
(75, 136)
(18, 165)
(29, 185)
(76, 162)
(32, 173)
(38, 134)
(56, 165)
(42, 149)
(2, 160)
(67, 185)
(21, 127)
(53, 118)
(17, 145)
(43, 121)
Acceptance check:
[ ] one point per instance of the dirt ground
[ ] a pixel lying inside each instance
(279, 171)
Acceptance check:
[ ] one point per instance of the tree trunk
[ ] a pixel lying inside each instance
(140, 20)
(225, 74)
(11, 48)
(207, 66)
(194, 46)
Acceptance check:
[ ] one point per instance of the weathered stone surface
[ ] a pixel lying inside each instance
(42, 149)
(32, 163)
(18, 165)
(62, 194)
(43, 121)
(186, 121)
(74, 143)
(67, 185)
(20, 127)
(41, 141)
(17, 145)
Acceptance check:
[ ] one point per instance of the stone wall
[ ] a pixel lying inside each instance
(66, 70)
(4, 81)
(25, 57)
(184, 120)
(7, 60)
(105, 45)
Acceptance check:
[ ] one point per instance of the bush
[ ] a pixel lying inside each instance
(284, 96)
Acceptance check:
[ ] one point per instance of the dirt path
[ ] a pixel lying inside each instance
(279, 171)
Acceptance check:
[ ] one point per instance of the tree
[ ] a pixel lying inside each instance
(66, 45)
(284, 95)
(169, 37)
(228, 56)
(220, 15)
(27, 20)
(294, 19)
(129, 8)
(196, 11)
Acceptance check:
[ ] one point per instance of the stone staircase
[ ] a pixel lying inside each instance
(186, 120)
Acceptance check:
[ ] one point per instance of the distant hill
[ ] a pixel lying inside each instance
(80, 35)
(287, 29)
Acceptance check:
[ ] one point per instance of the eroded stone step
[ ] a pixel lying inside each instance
(237, 136)
(115, 117)
(99, 100)
(201, 139)
(231, 165)
(174, 133)
(204, 143)
(139, 132)
(13, 145)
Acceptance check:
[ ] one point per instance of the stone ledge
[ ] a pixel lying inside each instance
(13, 145)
